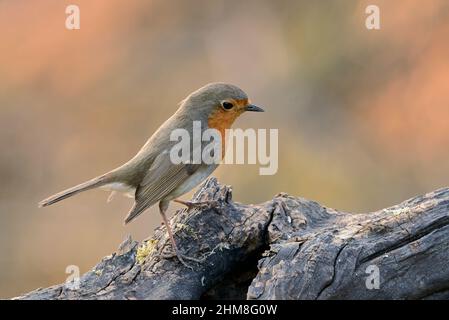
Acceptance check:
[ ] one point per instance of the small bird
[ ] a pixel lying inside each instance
(150, 176)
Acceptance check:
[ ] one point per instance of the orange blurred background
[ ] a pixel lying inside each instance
(363, 115)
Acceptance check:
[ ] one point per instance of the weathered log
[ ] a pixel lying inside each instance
(286, 248)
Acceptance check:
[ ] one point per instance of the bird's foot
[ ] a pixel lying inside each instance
(198, 205)
(182, 258)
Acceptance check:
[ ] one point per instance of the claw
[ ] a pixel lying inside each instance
(182, 257)
(203, 204)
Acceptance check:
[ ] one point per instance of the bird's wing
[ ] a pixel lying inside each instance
(162, 178)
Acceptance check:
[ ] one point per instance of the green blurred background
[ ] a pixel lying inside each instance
(363, 116)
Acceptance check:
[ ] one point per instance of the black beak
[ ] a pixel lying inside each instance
(251, 107)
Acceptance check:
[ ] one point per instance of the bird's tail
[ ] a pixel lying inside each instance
(91, 184)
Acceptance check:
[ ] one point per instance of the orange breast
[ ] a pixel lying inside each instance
(221, 120)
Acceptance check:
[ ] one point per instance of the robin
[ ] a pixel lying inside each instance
(150, 176)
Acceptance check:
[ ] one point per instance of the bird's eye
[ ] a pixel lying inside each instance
(227, 105)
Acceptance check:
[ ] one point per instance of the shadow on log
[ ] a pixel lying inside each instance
(286, 248)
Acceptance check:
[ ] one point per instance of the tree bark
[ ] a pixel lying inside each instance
(286, 248)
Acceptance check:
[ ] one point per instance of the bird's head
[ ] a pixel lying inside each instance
(219, 103)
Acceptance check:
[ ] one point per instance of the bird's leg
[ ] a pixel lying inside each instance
(162, 209)
(201, 204)
(111, 196)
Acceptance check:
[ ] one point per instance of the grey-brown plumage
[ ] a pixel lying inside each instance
(150, 176)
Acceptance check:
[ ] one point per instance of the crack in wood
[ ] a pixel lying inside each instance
(244, 267)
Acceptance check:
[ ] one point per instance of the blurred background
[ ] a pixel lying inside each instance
(363, 115)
